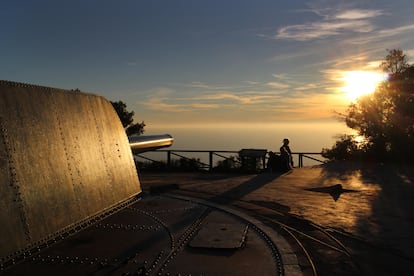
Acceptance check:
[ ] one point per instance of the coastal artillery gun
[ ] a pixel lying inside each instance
(65, 162)
(72, 204)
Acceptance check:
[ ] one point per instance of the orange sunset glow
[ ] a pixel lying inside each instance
(359, 83)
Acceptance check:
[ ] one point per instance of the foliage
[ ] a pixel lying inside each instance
(176, 165)
(395, 62)
(231, 164)
(345, 148)
(187, 164)
(152, 166)
(385, 119)
(228, 165)
(127, 119)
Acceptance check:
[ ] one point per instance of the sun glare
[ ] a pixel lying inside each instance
(359, 83)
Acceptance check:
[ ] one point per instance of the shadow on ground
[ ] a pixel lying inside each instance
(245, 188)
(387, 233)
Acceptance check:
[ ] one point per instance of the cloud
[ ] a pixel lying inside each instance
(280, 76)
(331, 25)
(402, 32)
(251, 82)
(301, 101)
(278, 85)
(168, 100)
(202, 85)
(178, 105)
(285, 98)
(307, 87)
(358, 14)
(360, 61)
(158, 104)
(322, 29)
(396, 31)
(223, 98)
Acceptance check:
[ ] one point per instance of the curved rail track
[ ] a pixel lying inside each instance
(155, 236)
(318, 250)
(161, 235)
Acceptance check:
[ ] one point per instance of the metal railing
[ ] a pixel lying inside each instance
(222, 155)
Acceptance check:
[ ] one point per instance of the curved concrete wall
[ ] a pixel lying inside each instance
(64, 157)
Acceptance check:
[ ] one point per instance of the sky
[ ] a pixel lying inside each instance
(193, 62)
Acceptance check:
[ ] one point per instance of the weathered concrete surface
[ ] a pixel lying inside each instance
(64, 157)
(376, 207)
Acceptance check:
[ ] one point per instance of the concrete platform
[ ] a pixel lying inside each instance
(370, 206)
(167, 232)
(166, 235)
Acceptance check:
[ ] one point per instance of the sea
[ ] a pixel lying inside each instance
(310, 137)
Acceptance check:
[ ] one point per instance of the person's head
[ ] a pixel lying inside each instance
(286, 141)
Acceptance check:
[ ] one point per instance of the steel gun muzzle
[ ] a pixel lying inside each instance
(145, 143)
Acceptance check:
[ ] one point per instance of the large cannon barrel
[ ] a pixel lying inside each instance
(145, 143)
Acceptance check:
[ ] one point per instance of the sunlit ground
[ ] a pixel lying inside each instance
(344, 213)
(378, 210)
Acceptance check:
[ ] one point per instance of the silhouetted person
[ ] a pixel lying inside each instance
(286, 155)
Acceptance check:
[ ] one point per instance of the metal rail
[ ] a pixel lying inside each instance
(152, 237)
(321, 249)
(220, 153)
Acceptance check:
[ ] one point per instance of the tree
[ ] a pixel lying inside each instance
(344, 149)
(395, 62)
(371, 117)
(127, 119)
(385, 119)
(230, 164)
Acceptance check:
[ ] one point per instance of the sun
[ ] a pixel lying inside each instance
(359, 83)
